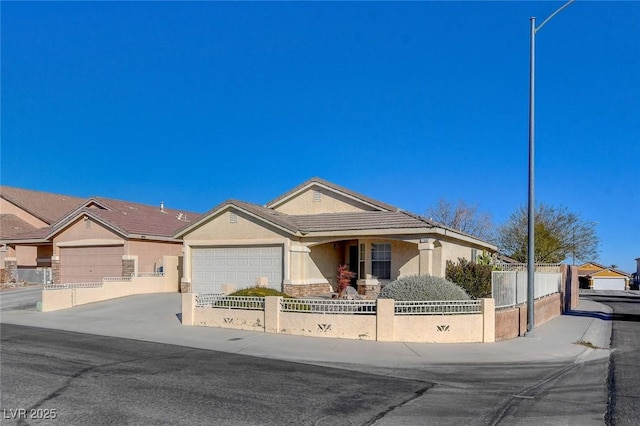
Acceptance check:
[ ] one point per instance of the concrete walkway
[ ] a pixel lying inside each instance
(155, 318)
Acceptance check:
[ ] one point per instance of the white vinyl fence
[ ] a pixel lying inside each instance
(509, 288)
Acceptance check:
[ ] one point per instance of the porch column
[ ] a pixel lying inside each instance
(425, 248)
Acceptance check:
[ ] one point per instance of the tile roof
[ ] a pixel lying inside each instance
(57, 210)
(357, 221)
(11, 225)
(46, 206)
(134, 218)
(338, 188)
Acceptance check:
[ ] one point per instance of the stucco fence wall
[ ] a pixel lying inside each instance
(382, 325)
(56, 297)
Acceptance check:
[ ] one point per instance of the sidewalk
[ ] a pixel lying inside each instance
(155, 318)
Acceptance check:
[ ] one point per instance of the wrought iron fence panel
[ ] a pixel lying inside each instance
(229, 302)
(320, 306)
(65, 286)
(445, 307)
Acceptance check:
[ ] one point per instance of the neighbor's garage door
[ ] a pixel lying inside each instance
(90, 264)
(608, 283)
(214, 266)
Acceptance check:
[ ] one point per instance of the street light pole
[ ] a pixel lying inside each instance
(531, 213)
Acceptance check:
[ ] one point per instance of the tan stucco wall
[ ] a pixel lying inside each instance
(453, 328)
(26, 255)
(330, 202)
(220, 228)
(238, 319)
(382, 326)
(78, 231)
(9, 208)
(322, 263)
(56, 299)
(150, 253)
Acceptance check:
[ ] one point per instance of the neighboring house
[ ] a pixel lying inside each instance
(24, 210)
(297, 241)
(599, 277)
(101, 237)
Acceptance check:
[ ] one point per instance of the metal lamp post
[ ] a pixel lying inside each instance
(531, 206)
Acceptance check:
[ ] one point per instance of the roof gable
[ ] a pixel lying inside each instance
(318, 196)
(263, 214)
(608, 272)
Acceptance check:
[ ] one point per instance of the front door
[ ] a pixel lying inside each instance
(353, 265)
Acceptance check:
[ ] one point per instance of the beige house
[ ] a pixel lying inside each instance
(97, 238)
(595, 276)
(297, 241)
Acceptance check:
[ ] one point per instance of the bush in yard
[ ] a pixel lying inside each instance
(423, 287)
(473, 277)
(258, 292)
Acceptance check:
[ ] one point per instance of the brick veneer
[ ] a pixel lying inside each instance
(306, 289)
(128, 267)
(55, 271)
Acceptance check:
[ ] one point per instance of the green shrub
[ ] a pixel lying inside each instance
(474, 278)
(258, 292)
(423, 287)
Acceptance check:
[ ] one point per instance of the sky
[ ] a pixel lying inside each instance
(194, 103)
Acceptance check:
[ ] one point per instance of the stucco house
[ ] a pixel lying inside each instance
(99, 237)
(25, 210)
(599, 277)
(296, 242)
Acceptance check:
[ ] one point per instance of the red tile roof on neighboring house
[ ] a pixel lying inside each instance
(46, 206)
(132, 219)
(11, 225)
(125, 217)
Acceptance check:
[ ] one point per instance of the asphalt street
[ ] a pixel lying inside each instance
(624, 374)
(129, 361)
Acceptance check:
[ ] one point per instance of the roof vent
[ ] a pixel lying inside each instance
(162, 206)
(182, 217)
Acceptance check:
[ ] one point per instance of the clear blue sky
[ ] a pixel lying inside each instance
(194, 103)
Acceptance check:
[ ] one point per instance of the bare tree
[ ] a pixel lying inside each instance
(559, 235)
(464, 218)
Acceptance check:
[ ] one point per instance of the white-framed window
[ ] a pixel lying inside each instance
(381, 260)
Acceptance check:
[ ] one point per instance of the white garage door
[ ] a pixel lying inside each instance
(214, 266)
(90, 264)
(608, 283)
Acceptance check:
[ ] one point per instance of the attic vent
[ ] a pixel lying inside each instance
(233, 218)
(317, 196)
(182, 217)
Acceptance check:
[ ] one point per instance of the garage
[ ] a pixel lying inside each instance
(214, 266)
(609, 283)
(90, 264)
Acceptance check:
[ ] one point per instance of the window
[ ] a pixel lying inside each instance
(474, 255)
(381, 260)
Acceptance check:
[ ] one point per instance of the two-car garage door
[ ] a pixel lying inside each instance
(214, 266)
(609, 283)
